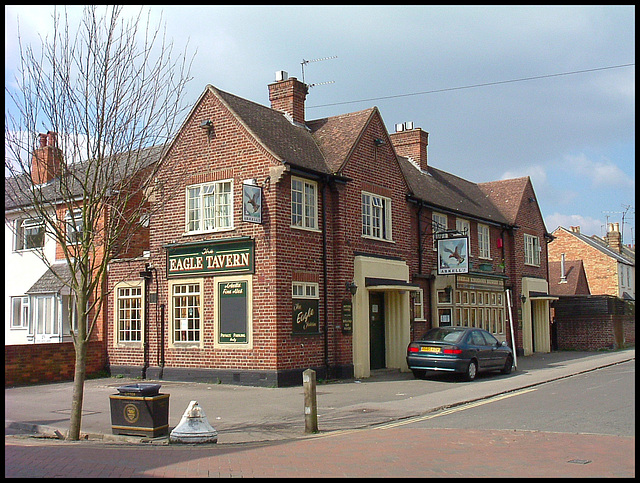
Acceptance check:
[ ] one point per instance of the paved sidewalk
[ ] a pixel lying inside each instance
(242, 414)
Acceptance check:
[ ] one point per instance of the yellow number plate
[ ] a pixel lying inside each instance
(435, 350)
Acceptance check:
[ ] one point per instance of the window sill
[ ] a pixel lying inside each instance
(368, 237)
(304, 228)
(205, 232)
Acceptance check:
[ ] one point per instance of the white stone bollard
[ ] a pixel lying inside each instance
(193, 427)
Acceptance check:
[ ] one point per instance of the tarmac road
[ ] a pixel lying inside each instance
(366, 428)
(242, 414)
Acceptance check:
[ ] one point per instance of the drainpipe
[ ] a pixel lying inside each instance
(324, 274)
(161, 341)
(419, 239)
(146, 275)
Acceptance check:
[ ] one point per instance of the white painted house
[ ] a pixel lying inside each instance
(36, 300)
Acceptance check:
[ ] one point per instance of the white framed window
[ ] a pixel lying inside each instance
(186, 312)
(209, 207)
(29, 234)
(418, 304)
(531, 250)
(45, 318)
(75, 227)
(69, 315)
(305, 290)
(19, 312)
(484, 241)
(438, 225)
(463, 226)
(376, 216)
(129, 314)
(304, 203)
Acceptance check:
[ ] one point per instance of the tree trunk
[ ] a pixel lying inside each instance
(78, 389)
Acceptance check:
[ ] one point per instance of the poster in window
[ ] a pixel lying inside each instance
(453, 255)
(233, 312)
(305, 316)
(251, 203)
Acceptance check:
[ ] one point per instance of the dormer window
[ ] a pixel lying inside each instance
(29, 234)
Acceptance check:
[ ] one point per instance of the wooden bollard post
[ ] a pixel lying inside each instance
(310, 405)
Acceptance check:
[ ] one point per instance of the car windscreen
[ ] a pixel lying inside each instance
(443, 335)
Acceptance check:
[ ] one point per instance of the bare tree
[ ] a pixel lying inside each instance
(109, 93)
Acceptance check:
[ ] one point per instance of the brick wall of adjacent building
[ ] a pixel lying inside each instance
(594, 322)
(39, 363)
(601, 270)
(591, 333)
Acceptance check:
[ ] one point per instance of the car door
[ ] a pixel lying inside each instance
(497, 357)
(483, 352)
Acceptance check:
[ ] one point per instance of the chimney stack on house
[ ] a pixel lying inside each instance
(287, 94)
(563, 275)
(575, 229)
(614, 239)
(411, 142)
(46, 160)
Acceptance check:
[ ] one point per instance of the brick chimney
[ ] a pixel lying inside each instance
(411, 143)
(575, 229)
(287, 94)
(614, 239)
(46, 160)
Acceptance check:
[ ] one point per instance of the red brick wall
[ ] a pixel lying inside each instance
(601, 270)
(38, 363)
(590, 333)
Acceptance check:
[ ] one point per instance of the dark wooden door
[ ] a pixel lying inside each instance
(376, 331)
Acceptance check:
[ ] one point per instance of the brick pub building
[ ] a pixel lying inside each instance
(285, 244)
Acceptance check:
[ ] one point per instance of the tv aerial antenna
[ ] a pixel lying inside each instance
(305, 62)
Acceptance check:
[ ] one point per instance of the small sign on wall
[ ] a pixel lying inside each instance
(251, 203)
(347, 317)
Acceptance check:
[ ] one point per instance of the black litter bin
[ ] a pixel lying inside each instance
(140, 410)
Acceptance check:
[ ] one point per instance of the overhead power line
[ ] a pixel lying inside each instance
(486, 84)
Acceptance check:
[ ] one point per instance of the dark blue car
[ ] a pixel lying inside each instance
(462, 350)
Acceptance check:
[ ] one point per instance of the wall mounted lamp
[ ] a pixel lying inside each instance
(523, 297)
(379, 142)
(352, 287)
(207, 125)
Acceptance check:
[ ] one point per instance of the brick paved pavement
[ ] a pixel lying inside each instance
(390, 450)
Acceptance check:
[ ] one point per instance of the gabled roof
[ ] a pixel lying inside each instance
(53, 280)
(600, 245)
(443, 190)
(574, 273)
(506, 195)
(291, 144)
(336, 136)
(15, 188)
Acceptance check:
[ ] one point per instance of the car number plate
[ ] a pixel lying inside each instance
(435, 350)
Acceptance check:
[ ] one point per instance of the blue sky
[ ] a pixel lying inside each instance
(447, 69)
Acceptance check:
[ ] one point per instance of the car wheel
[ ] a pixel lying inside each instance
(418, 373)
(508, 364)
(472, 371)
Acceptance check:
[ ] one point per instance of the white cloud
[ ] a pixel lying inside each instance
(588, 226)
(537, 173)
(601, 174)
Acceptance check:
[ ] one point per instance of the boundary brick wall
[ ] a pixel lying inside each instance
(39, 363)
